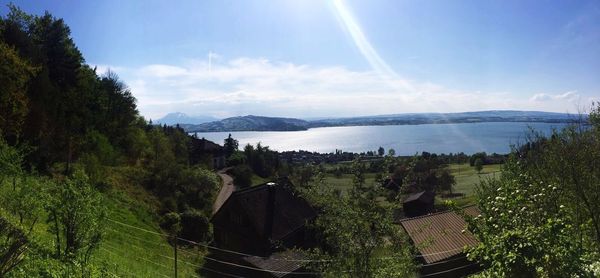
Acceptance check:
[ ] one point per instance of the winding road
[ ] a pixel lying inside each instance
(226, 189)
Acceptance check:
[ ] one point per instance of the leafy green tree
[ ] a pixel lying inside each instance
(231, 146)
(523, 231)
(242, 176)
(446, 181)
(11, 162)
(481, 155)
(570, 158)
(304, 175)
(381, 151)
(357, 231)
(76, 216)
(171, 222)
(195, 226)
(118, 105)
(26, 201)
(97, 144)
(15, 74)
(198, 187)
(237, 158)
(138, 144)
(478, 164)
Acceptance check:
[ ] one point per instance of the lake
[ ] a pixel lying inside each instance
(405, 139)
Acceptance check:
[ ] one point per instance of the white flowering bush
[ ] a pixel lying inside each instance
(523, 230)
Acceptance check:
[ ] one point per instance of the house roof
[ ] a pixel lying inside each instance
(272, 208)
(439, 236)
(426, 196)
(208, 146)
(278, 264)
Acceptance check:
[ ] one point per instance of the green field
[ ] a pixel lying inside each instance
(345, 180)
(467, 177)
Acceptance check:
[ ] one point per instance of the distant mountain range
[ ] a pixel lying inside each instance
(259, 123)
(184, 119)
(250, 123)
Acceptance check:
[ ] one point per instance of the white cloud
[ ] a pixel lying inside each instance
(570, 96)
(263, 87)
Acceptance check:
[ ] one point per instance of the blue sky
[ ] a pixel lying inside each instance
(310, 58)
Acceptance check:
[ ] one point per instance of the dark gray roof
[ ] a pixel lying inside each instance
(272, 208)
(278, 264)
(426, 196)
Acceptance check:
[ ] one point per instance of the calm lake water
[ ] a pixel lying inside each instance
(405, 139)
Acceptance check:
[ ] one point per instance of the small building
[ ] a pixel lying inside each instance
(208, 152)
(441, 239)
(418, 204)
(261, 219)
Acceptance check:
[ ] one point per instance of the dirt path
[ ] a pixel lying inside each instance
(226, 189)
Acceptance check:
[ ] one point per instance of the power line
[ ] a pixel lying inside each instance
(227, 263)
(142, 258)
(222, 273)
(447, 261)
(113, 253)
(250, 255)
(260, 269)
(151, 242)
(137, 228)
(449, 270)
(139, 238)
(212, 247)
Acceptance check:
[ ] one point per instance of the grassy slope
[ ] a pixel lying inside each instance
(126, 251)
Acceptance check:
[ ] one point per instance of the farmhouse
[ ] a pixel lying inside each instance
(262, 223)
(440, 239)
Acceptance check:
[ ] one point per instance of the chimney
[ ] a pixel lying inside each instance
(271, 187)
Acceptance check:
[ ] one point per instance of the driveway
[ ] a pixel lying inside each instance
(226, 189)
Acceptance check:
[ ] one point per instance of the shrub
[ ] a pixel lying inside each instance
(195, 226)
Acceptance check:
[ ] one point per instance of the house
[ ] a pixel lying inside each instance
(262, 218)
(441, 239)
(260, 225)
(205, 151)
(418, 204)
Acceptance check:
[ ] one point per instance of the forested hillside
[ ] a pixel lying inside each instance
(75, 154)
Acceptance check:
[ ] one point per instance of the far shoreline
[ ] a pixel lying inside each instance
(374, 125)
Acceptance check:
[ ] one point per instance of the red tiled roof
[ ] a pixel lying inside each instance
(439, 236)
